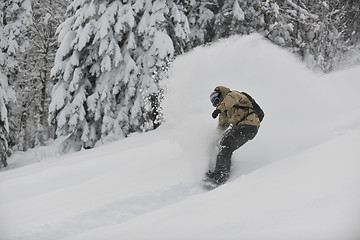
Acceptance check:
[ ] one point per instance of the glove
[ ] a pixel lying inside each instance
(216, 113)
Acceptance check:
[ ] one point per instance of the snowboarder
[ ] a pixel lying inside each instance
(239, 121)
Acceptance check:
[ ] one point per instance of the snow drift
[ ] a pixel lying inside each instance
(298, 179)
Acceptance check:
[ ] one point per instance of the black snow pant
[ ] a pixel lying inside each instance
(232, 139)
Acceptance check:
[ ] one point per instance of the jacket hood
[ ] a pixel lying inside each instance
(224, 90)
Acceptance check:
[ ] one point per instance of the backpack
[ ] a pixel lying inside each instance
(257, 109)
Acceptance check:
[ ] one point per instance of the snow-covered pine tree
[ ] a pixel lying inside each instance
(319, 32)
(6, 93)
(34, 88)
(351, 30)
(330, 42)
(277, 26)
(230, 19)
(212, 20)
(351, 21)
(201, 20)
(110, 56)
(4, 123)
(316, 34)
(292, 25)
(14, 20)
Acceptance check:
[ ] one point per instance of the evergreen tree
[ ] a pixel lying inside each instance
(319, 40)
(106, 66)
(14, 19)
(5, 94)
(314, 30)
(201, 19)
(351, 22)
(47, 16)
(331, 44)
(4, 125)
(278, 25)
(215, 19)
(230, 19)
(301, 26)
(28, 115)
(349, 28)
(212, 20)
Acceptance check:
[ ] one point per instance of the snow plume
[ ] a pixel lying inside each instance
(109, 51)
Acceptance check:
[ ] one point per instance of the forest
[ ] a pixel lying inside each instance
(91, 71)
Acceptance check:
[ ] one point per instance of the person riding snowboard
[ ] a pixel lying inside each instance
(238, 118)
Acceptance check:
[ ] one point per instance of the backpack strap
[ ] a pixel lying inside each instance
(247, 116)
(242, 107)
(255, 107)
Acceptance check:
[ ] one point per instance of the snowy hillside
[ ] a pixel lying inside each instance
(298, 179)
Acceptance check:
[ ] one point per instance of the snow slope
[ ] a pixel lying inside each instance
(298, 179)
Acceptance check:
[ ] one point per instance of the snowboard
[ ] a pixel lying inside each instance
(209, 184)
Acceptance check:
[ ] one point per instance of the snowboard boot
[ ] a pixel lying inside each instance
(217, 178)
(214, 179)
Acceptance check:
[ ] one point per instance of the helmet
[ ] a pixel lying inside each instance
(215, 98)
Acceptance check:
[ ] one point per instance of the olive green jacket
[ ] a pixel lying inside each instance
(235, 109)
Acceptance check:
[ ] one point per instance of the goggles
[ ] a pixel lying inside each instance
(215, 98)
